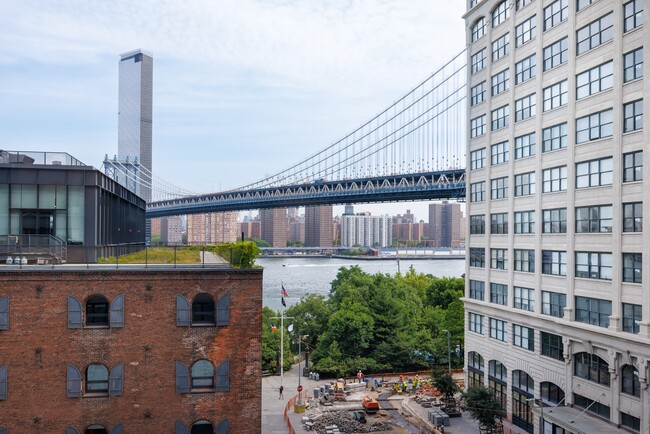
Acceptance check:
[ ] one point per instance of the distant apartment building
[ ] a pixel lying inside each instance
(171, 230)
(155, 227)
(296, 231)
(366, 230)
(444, 224)
(251, 229)
(409, 231)
(318, 226)
(212, 228)
(274, 226)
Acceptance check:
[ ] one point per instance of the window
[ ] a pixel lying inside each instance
(203, 312)
(500, 188)
(4, 313)
(552, 346)
(594, 126)
(555, 95)
(594, 173)
(472, 3)
(553, 303)
(629, 421)
(556, 54)
(592, 368)
(554, 137)
(525, 31)
(554, 179)
(633, 166)
(633, 217)
(524, 146)
(525, 184)
(591, 265)
(500, 82)
(498, 329)
(500, 153)
(499, 223)
(3, 383)
(583, 4)
(478, 29)
(630, 383)
(555, 13)
(500, 13)
(475, 369)
(96, 429)
(476, 323)
(478, 61)
(554, 221)
(525, 222)
(478, 94)
(595, 80)
(202, 375)
(477, 126)
(525, 107)
(523, 3)
(525, 69)
(98, 311)
(632, 316)
(525, 298)
(632, 15)
(594, 219)
(500, 47)
(523, 388)
(499, 294)
(554, 262)
(477, 192)
(525, 260)
(591, 406)
(552, 396)
(632, 267)
(633, 65)
(499, 259)
(523, 337)
(477, 159)
(477, 257)
(596, 33)
(96, 379)
(633, 113)
(477, 224)
(497, 378)
(593, 311)
(477, 290)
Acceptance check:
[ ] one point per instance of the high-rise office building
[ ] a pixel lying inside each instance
(274, 226)
(444, 224)
(318, 226)
(556, 311)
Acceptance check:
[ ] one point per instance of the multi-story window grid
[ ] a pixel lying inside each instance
(499, 188)
(525, 146)
(552, 346)
(500, 47)
(525, 107)
(499, 294)
(477, 126)
(632, 267)
(478, 61)
(477, 224)
(475, 368)
(553, 303)
(497, 381)
(633, 217)
(554, 262)
(525, 69)
(476, 323)
(633, 65)
(555, 95)
(632, 316)
(595, 80)
(633, 116)
(477, 159)
(555, 13)
(580, 4)
(477, 257)
(523, 337)
(633, 166)
(523, 388)
(556, 54)
(499, 223)
(594, 265)
(478, 94)
(594, 126)
(499, 259)
(500, 82)
(592, 368)
(525, 31)
(595, 173)
(595, 33)
(500, 13)
(477, 192)
(593, 311)
(594, 219)
(478, 29)
(477, 290)
(632, 14)
(554, 221)
(524, 260)
(498, 329)
(524, 298)
(525, 184)
(554, 179)
(525, 222)
(499, 153)
(554, 137)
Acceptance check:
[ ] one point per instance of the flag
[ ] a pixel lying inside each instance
(284, 303)
(290, 328)
(273, 328)
(284, 292)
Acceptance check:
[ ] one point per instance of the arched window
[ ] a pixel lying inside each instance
(202, 375)
(203, 310)
(630, 383)
(497, 378)
(97, 311)
(500, 13)
(475, 369)
(523, 387)
(591, 367)
(478, 29)
(551, 394)
(96, 379)
(202, 427)
(95, 429)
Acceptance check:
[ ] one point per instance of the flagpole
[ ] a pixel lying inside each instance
(281, 347)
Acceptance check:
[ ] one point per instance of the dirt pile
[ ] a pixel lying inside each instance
(344, 419)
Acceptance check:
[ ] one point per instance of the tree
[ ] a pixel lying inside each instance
(259, 242)
(483, 406)
(446, 385)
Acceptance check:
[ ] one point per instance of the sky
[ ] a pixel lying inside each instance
(242, 88)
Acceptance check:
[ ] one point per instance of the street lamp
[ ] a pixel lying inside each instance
(448, 350)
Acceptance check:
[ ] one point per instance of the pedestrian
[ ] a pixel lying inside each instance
(281, 392)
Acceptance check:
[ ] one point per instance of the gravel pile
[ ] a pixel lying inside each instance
(346, 423)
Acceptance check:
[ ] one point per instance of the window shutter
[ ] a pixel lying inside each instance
(182, 378)
(3, 382)
(118, 429)
(4, 312)
(117, 312)
(223, 310)
(180, 428)
(4, 431)
(74, 313)
(116, 381)
(223, 377)
(182, 311)
(74, 382)
(223, 427)
(71, 430)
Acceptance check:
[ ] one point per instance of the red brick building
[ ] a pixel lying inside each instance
(130, 350)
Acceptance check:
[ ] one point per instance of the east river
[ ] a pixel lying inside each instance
(302, 276)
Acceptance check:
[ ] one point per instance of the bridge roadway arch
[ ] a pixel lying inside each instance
(448, 184)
